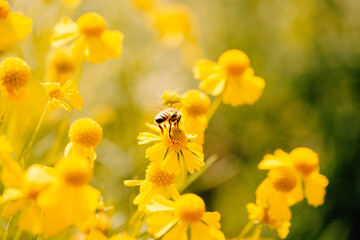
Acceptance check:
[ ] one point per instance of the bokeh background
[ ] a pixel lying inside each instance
(308, 52)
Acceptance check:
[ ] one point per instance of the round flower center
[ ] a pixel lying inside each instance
(196, 103)
(156, 175)
(75, 170)
(86, 132)
(4, 9)
(177, 141)
(14, 73)
(63, 62)
(283, 179)
(306, 160)
(190, 207)
(170, 98)
(234, 62)
(54, 90)
(91, 24)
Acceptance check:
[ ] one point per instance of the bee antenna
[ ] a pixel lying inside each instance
(177, 106)
(153, 106)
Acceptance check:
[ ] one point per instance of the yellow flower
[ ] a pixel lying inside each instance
(70, 201)
(124, 236)
(23, 194)
(276, 218)
(195, 105)
(93, 42)
(172, 153)
(231, 77)
(5, 146)
(306, 162)
(72, 3)
(145, 4)
(283, 186)
(156, 181)
(169, 98)
(58, 94)
(85, 135)
(14, 26)
(14, 75)
(62, 66)
(172, 219)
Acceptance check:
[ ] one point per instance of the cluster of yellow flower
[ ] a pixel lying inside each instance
(47, 200)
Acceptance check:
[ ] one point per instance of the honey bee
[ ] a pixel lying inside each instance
(170, 115)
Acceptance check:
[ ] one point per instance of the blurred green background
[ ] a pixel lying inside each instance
(308, 52)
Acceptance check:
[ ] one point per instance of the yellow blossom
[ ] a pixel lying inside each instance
(231, 77)
(70, 201)
(85, 134)
(93, 42)
(173, 152)
(276, 218)
(14, 75)
(14, 26)
(23, 194)
(72, 3)
(156, 181)
(62, 66)
(169, 98)
(171, 220)
(58, 94)
(195, 105)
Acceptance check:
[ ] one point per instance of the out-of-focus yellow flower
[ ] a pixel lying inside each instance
(195, 105)
(62, 66)
(124, 236)
(156, 181)
(174, 23)
(306, 162)
(231, 77)
(283, 186)
(85, 134)
(14, 26)
(15, 73)
(145, 5)
(58, 94)
(70, 201)
(173, 152)
(93, 42)
(23, 194)
(172, 219)
(169, 98)
(72, 3)
(5, 146)
(279, 220)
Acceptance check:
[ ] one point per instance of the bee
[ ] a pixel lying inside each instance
(169, 115)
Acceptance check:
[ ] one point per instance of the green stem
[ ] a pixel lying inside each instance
(257, 233)
(3, 113)
(137, 225)
(246, 229)
(6, 233)
(18, 234)
(214, 106)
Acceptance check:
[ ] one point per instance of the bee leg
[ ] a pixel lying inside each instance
(170, 130)
(162, 130)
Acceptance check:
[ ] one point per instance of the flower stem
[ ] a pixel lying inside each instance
(18, 234)
(246, 229)
(137, 224)
(6, 233)
(214, 106)
(3, 113)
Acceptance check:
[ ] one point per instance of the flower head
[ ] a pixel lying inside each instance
(58, 94)
(169, 98)
(155, 182)
(231, 77)
(13, 25)
(173, 150)
(62, 65)
(14, 75)
(93, 42)
(85, 134)
(172, 219)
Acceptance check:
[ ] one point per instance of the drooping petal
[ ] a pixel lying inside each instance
(178, 232)
(146, 137)
(7, 37)
(19, 24)
(315, 185)
(156, 152)
(213, 84)
(65, 31)
(160, 204)
(171, 163)
(160, 223)
(132, 183)
(30, 219)
(297, 194)
(192, 161)
(11, 194)
(200, 231)
(212, 219)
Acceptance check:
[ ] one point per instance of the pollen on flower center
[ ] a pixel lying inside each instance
(190, 207)
(91, 24)
(75, 170)
(234, 62)
(63, 62)
(178, 140)
(196, 102)
(86, 132)
(54, 90)
(4, 9)
(156, 175)
(14, 73)
(282, 179)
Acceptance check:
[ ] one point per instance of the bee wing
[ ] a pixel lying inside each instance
(153, 106)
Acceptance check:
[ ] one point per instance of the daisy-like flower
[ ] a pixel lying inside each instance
(170, 220)
(173, 152)
(93, 42)
(283, 186)
(195, 105)
(265, 214)
(156, 181)
(14, 75)
(70, 201)
(14, 26)
(58, 94)
(23, 189)
(170, 98)
(231, 77)
(85, 134)
(62, 66)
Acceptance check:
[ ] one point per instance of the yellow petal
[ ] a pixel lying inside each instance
(212, 219)
(297, 194)
(159, 224)
(160, 204)
(132, 183)
(171, 163)
(156, 152)
(315, 185)
(213, 84)
(192, 161)
(19, 24)
(30, 219)
(64, 32)
(7, 37)
(11, 208)
(178, 232)
(146, 137)
(200, 231)
(11, 194)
